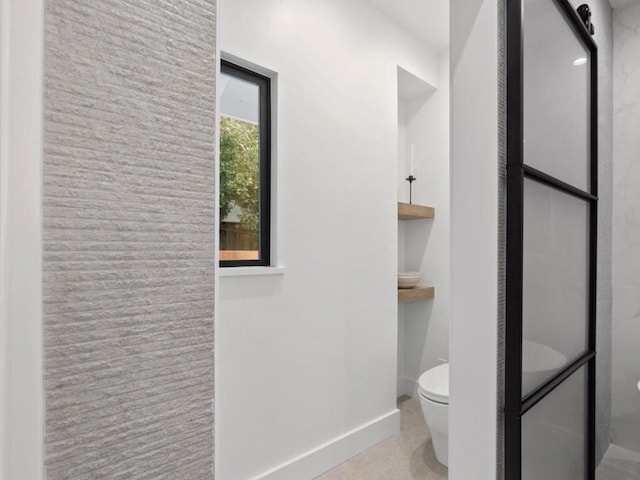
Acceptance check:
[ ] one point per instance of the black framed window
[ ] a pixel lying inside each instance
(245, 167)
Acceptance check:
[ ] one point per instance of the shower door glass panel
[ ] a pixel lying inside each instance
(551, 242)
(555, 282)
(556, 95)
(554, 433)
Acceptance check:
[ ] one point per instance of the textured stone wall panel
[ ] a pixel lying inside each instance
(129, 210)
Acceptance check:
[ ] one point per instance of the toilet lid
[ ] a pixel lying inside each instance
(434, 384)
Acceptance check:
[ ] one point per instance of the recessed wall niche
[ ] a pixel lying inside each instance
(423, 152)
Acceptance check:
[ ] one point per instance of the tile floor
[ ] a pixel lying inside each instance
(407, 455)
(619, 464)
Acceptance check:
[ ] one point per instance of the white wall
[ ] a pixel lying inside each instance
(425, 244)
(21, 431)
(309, 355)
(626, 228)
(474, 231)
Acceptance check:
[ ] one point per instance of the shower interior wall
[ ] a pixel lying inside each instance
(626, 229)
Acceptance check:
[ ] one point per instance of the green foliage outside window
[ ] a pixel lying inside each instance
(239, 171)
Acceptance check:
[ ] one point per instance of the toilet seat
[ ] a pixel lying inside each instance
(434, 384)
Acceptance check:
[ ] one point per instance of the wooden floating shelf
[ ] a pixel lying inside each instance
(411, 211)
(417, 293)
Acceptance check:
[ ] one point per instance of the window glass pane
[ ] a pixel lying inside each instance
(239, 169)
(555, 287)
(553, 433)
(556, 95)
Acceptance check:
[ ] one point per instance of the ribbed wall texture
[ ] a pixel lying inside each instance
(502, 231)
(129, 211)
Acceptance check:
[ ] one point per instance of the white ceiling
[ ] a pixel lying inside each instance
(621, 3)
(428, 20)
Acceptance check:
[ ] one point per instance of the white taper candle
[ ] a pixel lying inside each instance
(412, 162)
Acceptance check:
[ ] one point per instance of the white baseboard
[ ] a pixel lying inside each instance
(325, 457)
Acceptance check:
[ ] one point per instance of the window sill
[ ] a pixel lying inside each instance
(250, 271)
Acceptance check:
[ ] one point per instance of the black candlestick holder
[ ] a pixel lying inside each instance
(411, 179)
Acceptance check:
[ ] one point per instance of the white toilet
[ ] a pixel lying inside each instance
(433, 390)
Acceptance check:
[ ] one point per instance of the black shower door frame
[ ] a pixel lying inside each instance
(517, 171)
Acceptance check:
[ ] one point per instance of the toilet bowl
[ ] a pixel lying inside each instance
(539, 363)
(433, 390)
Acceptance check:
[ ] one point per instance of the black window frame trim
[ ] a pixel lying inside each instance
(265, 118)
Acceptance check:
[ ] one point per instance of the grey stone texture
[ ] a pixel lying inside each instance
(129, 230)
(502, 234)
